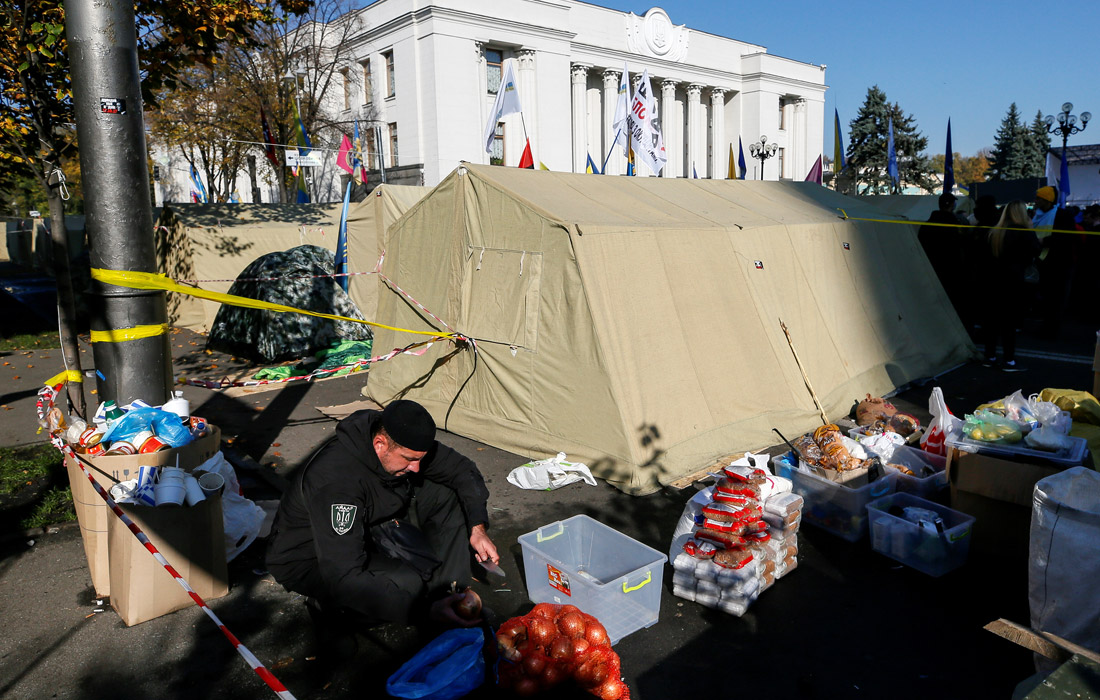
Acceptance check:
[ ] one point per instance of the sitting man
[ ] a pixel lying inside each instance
(380, 522)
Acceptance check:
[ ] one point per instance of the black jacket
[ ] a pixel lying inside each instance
(346, 472)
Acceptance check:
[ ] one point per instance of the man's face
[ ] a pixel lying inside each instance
(1042, 204)
(395, 459)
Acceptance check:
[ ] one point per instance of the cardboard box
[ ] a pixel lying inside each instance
(192, 540)
(91, 510)
(998, 493)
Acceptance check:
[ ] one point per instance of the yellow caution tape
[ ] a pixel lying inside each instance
(69, 375)
(149, 280)
(121, 335)
(1040, 231)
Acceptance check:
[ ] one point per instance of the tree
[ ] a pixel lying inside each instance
(1010, 156)
(1038, 143)
(867, 150)
(968, 169)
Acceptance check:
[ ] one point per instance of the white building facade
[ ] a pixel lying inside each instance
(426, 73)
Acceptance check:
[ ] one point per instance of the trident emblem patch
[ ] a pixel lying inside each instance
(343, 516)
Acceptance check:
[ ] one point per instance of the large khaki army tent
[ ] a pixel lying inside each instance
(217, 241)
(633, 323)
(914, 207)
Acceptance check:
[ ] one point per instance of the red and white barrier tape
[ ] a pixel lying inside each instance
(390, 283)
(253, 662)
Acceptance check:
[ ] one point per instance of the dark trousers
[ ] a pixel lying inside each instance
(402, 591)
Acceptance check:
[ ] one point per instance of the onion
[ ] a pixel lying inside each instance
(580, 646)
(562, 648)
(597, 635)
(469, 608)
(541, 632)
(553, 675)
(527, 687)
(591, 673)
(572, 625)
(533, 665)
(566, 609)
(547, 611)
(611, 690)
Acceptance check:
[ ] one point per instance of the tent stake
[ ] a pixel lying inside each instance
(824, 418)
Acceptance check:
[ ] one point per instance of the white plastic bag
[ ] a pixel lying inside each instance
(241, 516)
(550, 474)
(1065, 556)
(943, 424)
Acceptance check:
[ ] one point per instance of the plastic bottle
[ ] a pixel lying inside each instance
(178, 405)
(111, 412)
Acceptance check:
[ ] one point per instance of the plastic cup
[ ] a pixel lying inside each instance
(194, 494)
(169, 493)
(211, 483)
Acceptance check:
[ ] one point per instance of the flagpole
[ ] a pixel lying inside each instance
(524, 125)
(614, 142)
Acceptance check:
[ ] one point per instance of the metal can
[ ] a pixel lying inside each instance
(152, 444)
(95, 450)
(90, 437)
(122, 447)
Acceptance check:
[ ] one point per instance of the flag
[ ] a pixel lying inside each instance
(304, 147)
(199, 190)
(507, 103)
(892, 156)
(357, 170)
(235, 198)
(630, 162)
(1063, 180)
(815, 174)
(731, 172)
(741, 158)
(269, 143)
(341, 262)
(591, 168)
(694, 173)
(542, 166)
(645, 127)
(527, 160)
(342, 156)
(948, 164)
(619, 123)
(839, 163)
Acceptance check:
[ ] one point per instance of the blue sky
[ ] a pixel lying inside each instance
(964, 60)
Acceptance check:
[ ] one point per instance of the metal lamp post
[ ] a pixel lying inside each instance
(762, 150)
(1067, 125)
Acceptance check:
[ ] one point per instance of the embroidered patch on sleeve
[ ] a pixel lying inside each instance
(343, 516)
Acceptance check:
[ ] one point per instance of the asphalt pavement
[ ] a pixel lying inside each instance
(847, 623)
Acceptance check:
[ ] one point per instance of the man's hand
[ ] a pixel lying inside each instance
(484, 549)
(443, 612)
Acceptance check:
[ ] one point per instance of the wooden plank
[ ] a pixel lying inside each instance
(1043, 643)
(686, 481)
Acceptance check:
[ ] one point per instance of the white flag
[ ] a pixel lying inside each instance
(507, 103)
(645, 127)
(621, 111)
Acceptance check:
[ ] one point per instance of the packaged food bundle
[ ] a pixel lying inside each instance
(873, 409)
(784, 503)
(987, 426)
(555, 644)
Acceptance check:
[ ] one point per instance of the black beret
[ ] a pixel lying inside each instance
(410, 425)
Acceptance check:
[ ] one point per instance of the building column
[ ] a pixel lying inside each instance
(615, 163)
(719, 151)
(579, 78)
(672, 148)
(694, 131)
(528, 96)
(800, 166)
(483, 90)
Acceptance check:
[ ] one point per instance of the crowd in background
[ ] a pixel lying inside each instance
(1014, 266)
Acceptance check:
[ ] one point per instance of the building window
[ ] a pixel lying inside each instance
(782, 123)
(347, 88)
(494, 60)
(782, 158)
(388, 58)
(393, 144)
(496, 156)
(368, 85)
(372, 151)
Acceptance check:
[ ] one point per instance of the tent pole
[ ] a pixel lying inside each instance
(805, 378)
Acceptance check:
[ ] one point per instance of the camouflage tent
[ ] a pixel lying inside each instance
(269, 336)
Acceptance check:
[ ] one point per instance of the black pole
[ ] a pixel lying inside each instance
(107, 103)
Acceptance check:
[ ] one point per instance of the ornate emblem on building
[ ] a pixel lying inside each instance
(656, 35)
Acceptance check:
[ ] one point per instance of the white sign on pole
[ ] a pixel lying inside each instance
(294, 159)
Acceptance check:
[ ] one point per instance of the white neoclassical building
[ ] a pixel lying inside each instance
(425, 74)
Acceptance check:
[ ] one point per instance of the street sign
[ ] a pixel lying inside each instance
(312, 159)
(35, 214)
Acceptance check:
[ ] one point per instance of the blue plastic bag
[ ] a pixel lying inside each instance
(449, 667)
(165, 425)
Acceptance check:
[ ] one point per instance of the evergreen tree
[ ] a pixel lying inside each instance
(1038, 143)
(867, 150)
(1011, 159)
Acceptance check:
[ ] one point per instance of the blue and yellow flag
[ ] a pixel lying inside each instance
(342, 242)
(741, 158)
(304, 147)
(892, 157)
(356, 161)
(199, 190)
(591, 168)
(839, 163)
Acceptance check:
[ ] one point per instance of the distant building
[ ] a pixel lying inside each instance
(1084, 172)
(426, 73)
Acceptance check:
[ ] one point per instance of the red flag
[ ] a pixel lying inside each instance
(269, 149)
(815, 172)
(527, 160)
(342, 158)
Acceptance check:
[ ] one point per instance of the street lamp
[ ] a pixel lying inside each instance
(1067, 125)
(763, 150)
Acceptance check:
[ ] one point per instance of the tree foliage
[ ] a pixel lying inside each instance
(968, 169)
(1038, 143)
(1010, 157)
(867, 150)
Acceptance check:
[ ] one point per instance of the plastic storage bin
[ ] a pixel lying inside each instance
(1072, 456)
(600, 570)
(929, 471)
(921, 547)
(837, 508)
(785, 464)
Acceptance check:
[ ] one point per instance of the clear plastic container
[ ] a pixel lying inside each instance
(784, 464)
(600, 570)
(921, 547)
(1072, 456)
(837, 508)
(929, 471)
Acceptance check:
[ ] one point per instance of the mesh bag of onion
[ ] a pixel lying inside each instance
(556, 644)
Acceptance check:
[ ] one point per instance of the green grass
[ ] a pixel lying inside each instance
(55, 507)
(31, 341)
(19, 465)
